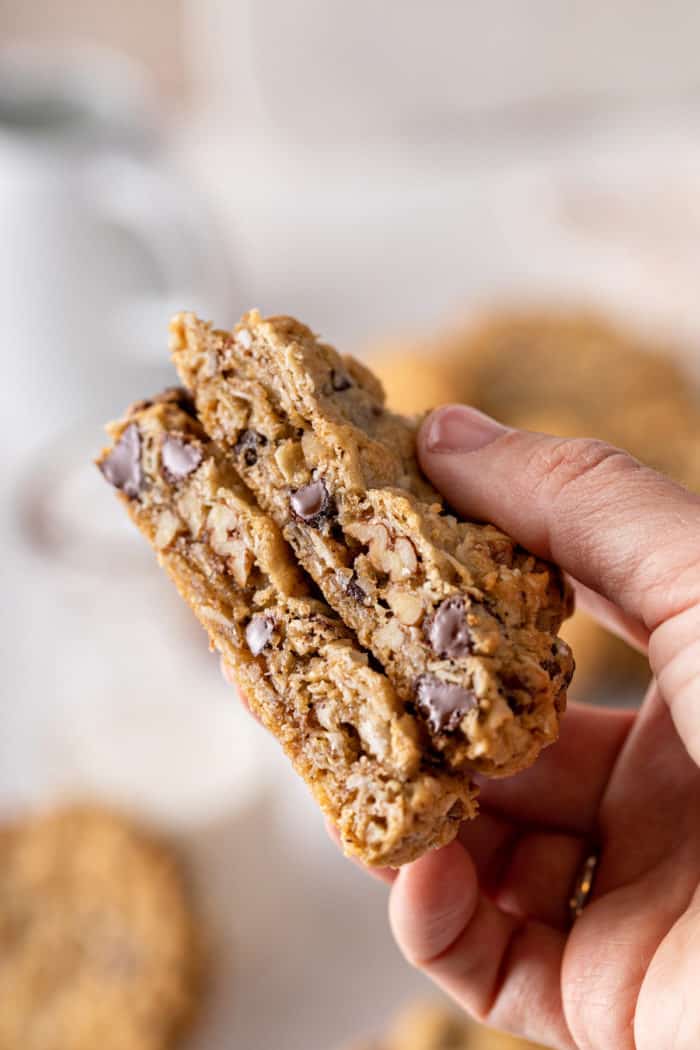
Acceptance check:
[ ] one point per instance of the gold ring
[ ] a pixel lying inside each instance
(583, 886)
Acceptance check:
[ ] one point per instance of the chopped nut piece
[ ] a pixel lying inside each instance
(168, 525)
(407, 607)
(312, 448)
(407, 559)
(391, 635)
(223, 530)
(290, 459)
(191, 509)
(397, 559)
(240, 563)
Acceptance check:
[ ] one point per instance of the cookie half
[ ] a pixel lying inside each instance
(365, 756)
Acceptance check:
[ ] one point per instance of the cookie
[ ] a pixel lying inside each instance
(98, 946)
(417, 380)
(433, 1026)
(462, 619)
(339, 720)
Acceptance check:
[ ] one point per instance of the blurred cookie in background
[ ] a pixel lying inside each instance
(594, 378)
(417, 377)
(569, 374)
(433, 1026)
(522, 363)
(98, 944)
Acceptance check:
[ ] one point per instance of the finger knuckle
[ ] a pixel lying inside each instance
(571, 467)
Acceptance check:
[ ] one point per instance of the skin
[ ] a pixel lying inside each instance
(487, 917)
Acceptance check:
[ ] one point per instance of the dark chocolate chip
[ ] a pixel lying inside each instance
(556, 667)
(173, 395)
(443, 703)
(516, 706)
(354, 591)
(448, 631)
(312, 503)
(258, 633)
(122, 467)
(340, 380)
(248, 446)
(179, 457)
(183, 399)
(512, 681)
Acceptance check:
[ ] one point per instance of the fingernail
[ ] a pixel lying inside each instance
(458, 428)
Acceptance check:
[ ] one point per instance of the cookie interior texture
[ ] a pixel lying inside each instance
(340, 720)
(435, 1026)
(463, 620)
(98, 944)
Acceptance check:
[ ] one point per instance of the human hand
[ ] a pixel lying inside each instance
(487, 917)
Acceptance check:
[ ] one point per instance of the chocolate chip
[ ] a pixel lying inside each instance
(248, 445)
(173, 395)
(122, 467)
(258, 633)
(443, 703)
(340, 380)
(183, 399)
(179, 458)
(448, 631)
(556, 666)
(312, 503)
(354, 591)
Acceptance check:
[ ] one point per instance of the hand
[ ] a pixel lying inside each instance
(487, 917)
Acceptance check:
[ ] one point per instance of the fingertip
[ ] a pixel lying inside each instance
(431, 902)
(227, 672)
(229, 675)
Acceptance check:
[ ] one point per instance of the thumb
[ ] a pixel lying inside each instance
(625, 531)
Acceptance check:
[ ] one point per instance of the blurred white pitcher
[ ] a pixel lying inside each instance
(100, 242)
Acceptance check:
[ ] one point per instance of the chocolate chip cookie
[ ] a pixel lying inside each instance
(98, 947)
(433, 1026)
(463, 620)
(365, 755)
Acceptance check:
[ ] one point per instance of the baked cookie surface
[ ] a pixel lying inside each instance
(462, 619)
(98, 946)
(348, 734)
(434, 1026)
